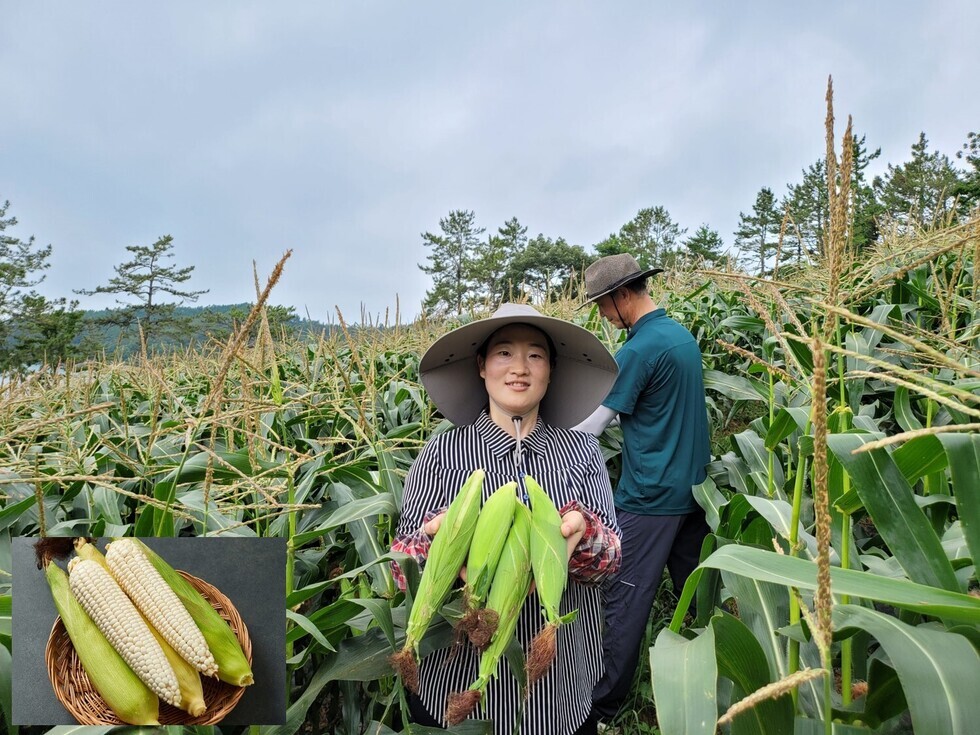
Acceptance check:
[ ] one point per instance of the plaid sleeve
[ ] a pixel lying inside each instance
(415, 544)
(598, 553)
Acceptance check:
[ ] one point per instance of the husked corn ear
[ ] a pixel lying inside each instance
(508, 592)
(446, 556)
(549, 555)
(127, 695)
(120, 622)
(492, 526)
(188, 678)
(159, 603)
(233, 666)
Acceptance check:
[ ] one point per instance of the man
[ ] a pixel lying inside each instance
(659, 399)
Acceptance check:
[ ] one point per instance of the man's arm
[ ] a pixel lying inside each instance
(598, 421)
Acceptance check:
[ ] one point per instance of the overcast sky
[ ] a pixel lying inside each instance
(343, 130)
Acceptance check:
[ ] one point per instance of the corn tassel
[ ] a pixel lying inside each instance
(492, 526)
(549, 562)
(120, 622)
(233, 667)
(508, 592)
(159, 603)
(130, 699)
(446, 556)
(188, 678)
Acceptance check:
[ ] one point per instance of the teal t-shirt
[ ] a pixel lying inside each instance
(659, 395)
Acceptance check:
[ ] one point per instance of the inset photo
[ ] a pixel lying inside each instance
(149, 631)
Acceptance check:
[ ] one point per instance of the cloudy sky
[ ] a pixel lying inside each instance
(343, 130)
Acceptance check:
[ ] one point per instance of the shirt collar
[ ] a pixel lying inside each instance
(649, 316)
(500, 442)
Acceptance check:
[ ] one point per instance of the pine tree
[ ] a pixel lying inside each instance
(968, 191)
(33, 329)
(809, 212)
(921, 192)
(758, 233)
(546, 268)
(145, 281)
(451, 262)
(492, 260)
(651, 237)
(703, 248)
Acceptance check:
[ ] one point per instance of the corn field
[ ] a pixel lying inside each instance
(838, 588)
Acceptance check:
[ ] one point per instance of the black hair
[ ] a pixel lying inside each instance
(637, 286)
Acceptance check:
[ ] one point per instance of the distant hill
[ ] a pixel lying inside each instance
(205, 324)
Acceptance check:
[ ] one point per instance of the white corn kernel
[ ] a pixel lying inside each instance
(120, 622)
(159, 603)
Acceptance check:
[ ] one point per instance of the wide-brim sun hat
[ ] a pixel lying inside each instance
(584, 370)
(610, 272)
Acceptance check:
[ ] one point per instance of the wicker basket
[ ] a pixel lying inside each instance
(75, 691)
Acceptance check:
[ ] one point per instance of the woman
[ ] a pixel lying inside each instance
(513, 384)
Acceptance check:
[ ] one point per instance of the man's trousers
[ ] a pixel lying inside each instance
(649, 544)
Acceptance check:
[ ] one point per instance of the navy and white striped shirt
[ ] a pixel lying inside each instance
(569, 466)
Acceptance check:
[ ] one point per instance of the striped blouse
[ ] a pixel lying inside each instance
(569, 466)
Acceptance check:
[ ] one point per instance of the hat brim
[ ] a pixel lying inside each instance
(583, 375)
(590, 299)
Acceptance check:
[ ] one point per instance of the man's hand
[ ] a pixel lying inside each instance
(572, 528)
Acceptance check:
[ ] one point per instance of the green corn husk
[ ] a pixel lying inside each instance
(233, 667)
(549, 562)
(446, 556)
(508, 592)
(492, 527)
(188, 678)
(128, 697)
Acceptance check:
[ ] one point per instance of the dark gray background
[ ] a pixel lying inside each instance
(249, 571)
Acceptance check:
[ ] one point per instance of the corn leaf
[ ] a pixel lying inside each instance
(684, 674)
(790, 571)
(741, 659)
(889, 499)
(963, 451)
(939, 670)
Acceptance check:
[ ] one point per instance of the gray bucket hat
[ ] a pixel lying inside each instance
(610, 272)
(583, 374)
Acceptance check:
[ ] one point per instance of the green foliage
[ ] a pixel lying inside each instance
(33, 330)
(314, 446)
(652, 237)
(920, 193)
(704, 247)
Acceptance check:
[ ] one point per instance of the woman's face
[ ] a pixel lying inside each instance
(516, 369)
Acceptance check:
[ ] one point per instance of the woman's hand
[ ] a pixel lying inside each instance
(432, 527)
(572, 528)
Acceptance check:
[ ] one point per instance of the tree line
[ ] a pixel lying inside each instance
(151, 312)
(468, 268)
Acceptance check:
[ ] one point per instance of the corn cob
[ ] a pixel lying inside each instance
(508, 592)
(446, 556)
(549, 562)
(120, 622)
(188, 678)
(128, 697)
(492, 525)
(159, 603)
(233, 666)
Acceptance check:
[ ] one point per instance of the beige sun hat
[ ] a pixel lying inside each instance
(610, 272)
(583, 374)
